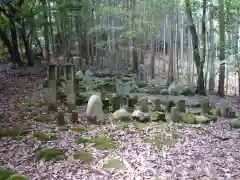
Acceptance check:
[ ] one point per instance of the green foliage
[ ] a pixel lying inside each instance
(5, 173)
(13, 132)
(103, 142)
(50, 154)
(81, 140)
(84, 156)
(44, 137)
(17, 177)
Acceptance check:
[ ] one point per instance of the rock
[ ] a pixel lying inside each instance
(142, 90)
(189, 90)
(134, 88)
(140, 116)
(144, 104)
(94, 110)
(202, 119)
(188, 118)
(164, 91)
(12, 66)
(79, 75)
(158, 116)
(121, 114)
(175, 89)
(235, 123)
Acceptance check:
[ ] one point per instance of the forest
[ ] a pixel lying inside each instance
(119, 89)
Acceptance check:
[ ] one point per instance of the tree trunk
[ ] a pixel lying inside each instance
(46, 35)
(8, 44)
(28, 50)
(15, 43)
(222, 49)
(196, 55)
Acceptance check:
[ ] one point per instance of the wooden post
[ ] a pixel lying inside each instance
(69, 76)
(52, 75)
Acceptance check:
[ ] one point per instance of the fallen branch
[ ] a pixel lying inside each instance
(214, 135)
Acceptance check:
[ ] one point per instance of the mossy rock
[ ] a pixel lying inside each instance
(81, 140)
(79, 129)
(235, 123)
(188, 118)
(13, 132)
(203, 119)
(50, 154)
(17, 177)
(114, 164)
(103, 142)
(5, 173)
(84, 156)
(44, 118)
(195, 111)
(41, 136)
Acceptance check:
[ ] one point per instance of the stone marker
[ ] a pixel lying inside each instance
(144, 105)
(69, 76)
(180, 105)
(52, 74)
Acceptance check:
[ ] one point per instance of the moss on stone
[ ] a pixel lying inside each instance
(81, 140)
(13, 131)
(84, 156)
(79, 129)
(50, 154)
(44, 118)
(114, 163)
(188, 118)
(103, 142)
(17, 177)
(5, 173)
(41, 136)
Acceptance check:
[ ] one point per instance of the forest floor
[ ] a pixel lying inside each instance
(140, 151)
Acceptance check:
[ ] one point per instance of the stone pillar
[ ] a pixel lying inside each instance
(52, 74)
(69, 76)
